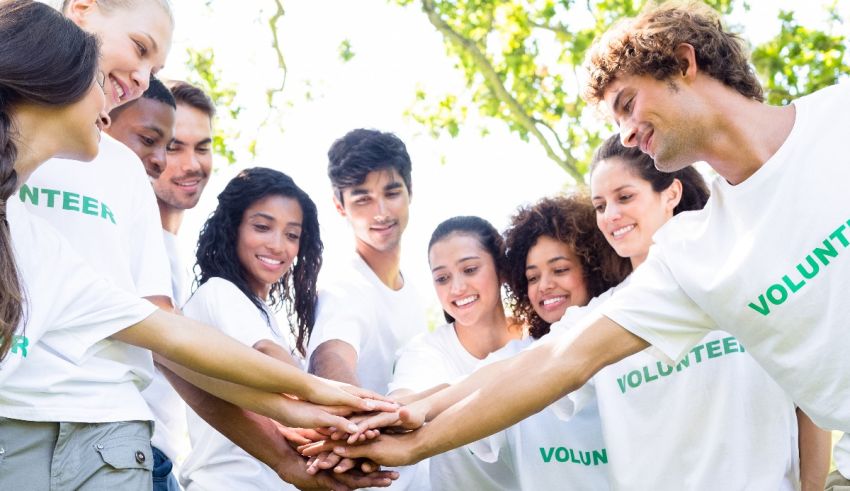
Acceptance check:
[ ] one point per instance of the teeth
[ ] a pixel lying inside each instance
(550, 301)
(118, 91)
(622, 231)
(466, 301)
(270, 261)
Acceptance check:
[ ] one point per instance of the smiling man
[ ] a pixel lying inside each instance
(367, 311)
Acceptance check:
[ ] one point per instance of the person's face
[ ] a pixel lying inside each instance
(628, 211)
(377, 209)
(268, 240)
(147, 127)
(134, 44)
(465, 278)
(555, 279)
(82, 123)
(658, 117)
(188, 160)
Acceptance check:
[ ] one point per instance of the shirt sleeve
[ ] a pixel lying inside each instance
(84, 308)
(419, 367)
(654, 307)
(222, 304)
(341, 315)
(148, 257)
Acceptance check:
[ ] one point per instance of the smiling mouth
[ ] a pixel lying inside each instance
(622, 231)
(463, 302)
(118, 92)
(269, 261)
(552, 302)
(383, 228)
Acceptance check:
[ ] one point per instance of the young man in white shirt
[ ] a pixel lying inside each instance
(367, 311)
(753, 262)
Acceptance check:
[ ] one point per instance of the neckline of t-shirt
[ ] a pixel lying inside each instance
(364, 268)
(456, 340)
(772, 164)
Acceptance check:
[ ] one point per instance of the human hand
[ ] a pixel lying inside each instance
(294, 471)
(387, 450)
(332, 393)
(406, 418)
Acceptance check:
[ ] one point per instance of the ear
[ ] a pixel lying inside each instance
(687, 59)
(78, 10)
(339, 207)
(672, 196)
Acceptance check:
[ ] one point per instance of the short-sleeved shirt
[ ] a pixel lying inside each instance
(69, 309)
(767, 260)
(107, 211)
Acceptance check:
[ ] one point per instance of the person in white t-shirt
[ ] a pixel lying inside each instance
(367, 308)
(259, 251)
(556, 258)
(760, 261)
(466, 256)
(54, 303)
(732, 424)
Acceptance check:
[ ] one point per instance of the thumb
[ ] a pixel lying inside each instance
(410, 419)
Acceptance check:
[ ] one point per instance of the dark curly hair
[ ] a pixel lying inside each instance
(216, 255)
(646, 44)
(483, 231)
(571, 220)
(694, 190)
(361, 151)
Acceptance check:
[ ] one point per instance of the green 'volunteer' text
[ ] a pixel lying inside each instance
(699, 353)
(20, 344)
(66, 200)
(778, 292)
(570, 456)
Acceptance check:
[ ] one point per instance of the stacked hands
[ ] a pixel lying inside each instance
(345, 444)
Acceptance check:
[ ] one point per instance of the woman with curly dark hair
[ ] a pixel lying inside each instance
(260, 250)
(557, 258)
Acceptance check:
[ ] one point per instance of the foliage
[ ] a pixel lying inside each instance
(520, 62)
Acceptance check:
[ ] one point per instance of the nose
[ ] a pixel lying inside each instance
(612, 212)
(103, 117)
(458, 285)
(141, 80)
(155, 163)
(628, 134)
(545, 283)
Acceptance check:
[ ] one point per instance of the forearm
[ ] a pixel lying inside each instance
(815, 453)
(253, 433)
(210, 352)
(335, 360)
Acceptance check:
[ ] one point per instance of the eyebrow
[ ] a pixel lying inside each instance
(177, 141)
(261, 214)
(155, 129)
(616, 106)
(616, 190)
(554, 259)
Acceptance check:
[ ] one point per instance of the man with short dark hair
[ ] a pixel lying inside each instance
(367, 311)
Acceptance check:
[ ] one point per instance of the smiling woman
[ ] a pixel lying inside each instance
(135, 37)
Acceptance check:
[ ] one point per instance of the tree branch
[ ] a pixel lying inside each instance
(494, 83)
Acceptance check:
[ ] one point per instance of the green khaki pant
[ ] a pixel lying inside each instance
(836, 482)
(84, 456)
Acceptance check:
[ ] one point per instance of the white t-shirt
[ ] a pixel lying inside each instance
(168, 408)
(68, 309)
(767, 260)
(357, 308)
(107, 211)
(841, 455)
(432, 359)
(214, 461)
(547, 452)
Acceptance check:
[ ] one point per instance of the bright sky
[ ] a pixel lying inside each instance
(396, 51)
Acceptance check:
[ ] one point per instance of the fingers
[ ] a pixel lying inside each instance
(410, 418)
(380, 479)
(344, 465)
(314, 449)
(378, 420)
(330, 482)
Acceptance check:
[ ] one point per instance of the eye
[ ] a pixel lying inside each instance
(626, 197)
(563, 270)
(531, 279)
(259, 227)
(147, 141)
(629, 104)
(141, 48)
(599, 207)
(441, 279)
(470, 270)
(202, 150)
(293, 236)
(361, 201)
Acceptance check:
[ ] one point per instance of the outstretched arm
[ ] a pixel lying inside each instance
(487, 404)
(815, 452)
(210, 352)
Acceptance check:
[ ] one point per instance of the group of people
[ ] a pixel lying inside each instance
(649, 332)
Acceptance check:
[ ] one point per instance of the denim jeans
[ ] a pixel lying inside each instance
(163, 478)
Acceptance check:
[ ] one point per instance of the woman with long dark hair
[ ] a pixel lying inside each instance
(260, 250)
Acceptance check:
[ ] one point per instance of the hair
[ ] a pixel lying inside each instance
(188, 94)
(109, 6)
(694, 190)
(483, 231)
(570, 220)
(646, 44)
(156, 92)
(361, 151)
(46, 60)
(216, 254)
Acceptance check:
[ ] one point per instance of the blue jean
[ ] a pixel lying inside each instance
(163, 478)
